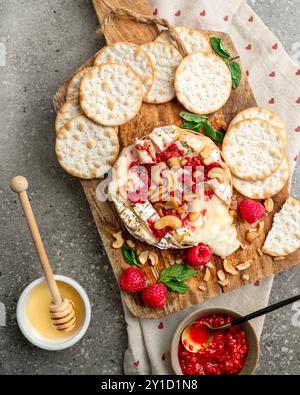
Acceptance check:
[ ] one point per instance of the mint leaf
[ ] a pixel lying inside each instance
(219, 47)
(130, 255)
(214, 134)
(191, 126)
(188, 116)
(177, 287)
(236, 73)
(174, 277)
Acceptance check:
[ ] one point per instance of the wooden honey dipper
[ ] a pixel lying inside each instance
(61, 310)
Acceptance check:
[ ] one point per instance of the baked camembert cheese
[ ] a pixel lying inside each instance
(173, 189)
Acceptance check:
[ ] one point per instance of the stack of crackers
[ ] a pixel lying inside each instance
(101, 98)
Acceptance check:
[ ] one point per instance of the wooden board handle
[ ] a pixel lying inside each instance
(19, 185)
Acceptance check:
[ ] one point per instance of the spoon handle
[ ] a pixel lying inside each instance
(19, 185)
(265, 310)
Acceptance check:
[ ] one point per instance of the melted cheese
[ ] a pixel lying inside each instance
(216, 229)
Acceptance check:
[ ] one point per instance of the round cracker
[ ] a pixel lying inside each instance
(253, 149)
(263, 189)
(111, 94)
(264, 114)
(202, 83)
(74, 85)
(68, 111)
(131, 55)
(165, 59)
(85, 149)
(193, 39)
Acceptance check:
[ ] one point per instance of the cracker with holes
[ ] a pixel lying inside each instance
(85, 149)
(284, 236)
(111, 94)
(165, 59)
(69, 110)
(193, 39)
(263, 189)
(131, 55)
(74, 85)
(202, 83)
(264, 114)
(253, 149)
(187, 198)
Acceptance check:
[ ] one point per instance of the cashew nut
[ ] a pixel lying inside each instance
(119, 241)
(217, 173)
(245, 265)
(153, 258)
(194, 215)
(269, 205)
(169, 221)
(229, 268)
(207, 275)
(206, 151)
(224, 283)
(143, 257)
(173, 162)
(221, 275)
(245, 277)
(202, 288)
(159, 208)
(130, 243)
(156, 172)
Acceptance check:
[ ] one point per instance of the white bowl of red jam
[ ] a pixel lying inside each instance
(231, 352)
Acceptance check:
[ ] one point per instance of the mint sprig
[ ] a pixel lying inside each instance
(130, 255)
(234, 67)
(198, 123)
(174, 277)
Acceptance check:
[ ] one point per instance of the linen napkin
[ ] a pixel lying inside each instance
(275, 80)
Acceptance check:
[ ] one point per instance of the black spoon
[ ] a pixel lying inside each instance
(237, 321)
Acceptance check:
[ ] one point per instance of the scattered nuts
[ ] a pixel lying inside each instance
(269, 205)
(193, 216)
(224, 283)
(221, 275)
(207, 275)
(245, 265)
(130, 243)
(173, 162)
(250, 236)
(279, 258)
(229, 268)
(153, 258)
(119, 241)
(217, 173)
(202, 288)
(245, 277)
(168, 221)
(210, 265)
(143, 257)
(261, 226)
(206, 151)
(159, 209)
(243, 246)
(156, 172)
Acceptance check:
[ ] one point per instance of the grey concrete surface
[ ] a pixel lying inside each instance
(45, 41)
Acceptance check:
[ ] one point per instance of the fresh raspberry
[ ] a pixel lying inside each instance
(155, 295)
(133, 280)
(199, 255)
(251, 210)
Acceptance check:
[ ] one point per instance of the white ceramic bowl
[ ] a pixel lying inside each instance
(40, 341)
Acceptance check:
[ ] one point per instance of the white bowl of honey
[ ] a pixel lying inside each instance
(34, 319)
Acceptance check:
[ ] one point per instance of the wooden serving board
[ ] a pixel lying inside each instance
(149, 117)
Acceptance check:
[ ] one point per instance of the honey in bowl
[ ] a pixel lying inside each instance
(37, 310)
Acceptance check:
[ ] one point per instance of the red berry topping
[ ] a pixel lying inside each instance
(133, 280)
(155, 295)
(251, 210)
(199, 255)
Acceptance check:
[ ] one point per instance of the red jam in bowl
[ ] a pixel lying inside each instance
(225, 355)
